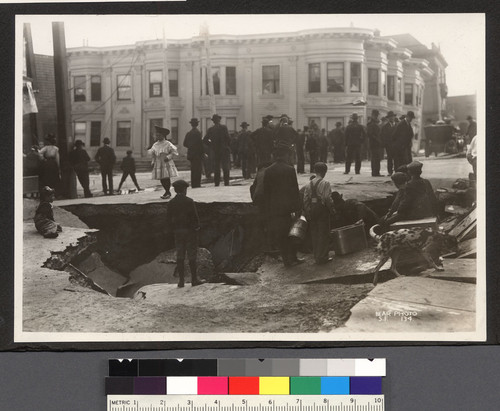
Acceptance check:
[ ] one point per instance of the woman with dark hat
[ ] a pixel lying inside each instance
(44, 215)
(79, 160)
(163, 164)
(50, 174)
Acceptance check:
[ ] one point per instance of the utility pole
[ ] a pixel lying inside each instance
(34, 119)
(166, 88)
(208, 66)
(64, 137)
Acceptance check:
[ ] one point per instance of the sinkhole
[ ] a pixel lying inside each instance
(133, 246)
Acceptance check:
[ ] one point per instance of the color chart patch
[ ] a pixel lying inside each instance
(245, 377)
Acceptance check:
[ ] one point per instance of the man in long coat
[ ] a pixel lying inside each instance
(299, 148)
(263, 142)
(195, 152)
(354, 137)
(376, 146)
(337, 141)
(106, 158)
(386, 134)
(218, 140)
(281, 199)
(402, 141)
(246, 151)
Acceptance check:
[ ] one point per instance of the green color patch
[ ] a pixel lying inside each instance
(305, 385)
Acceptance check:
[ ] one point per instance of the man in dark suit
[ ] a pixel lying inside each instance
(386, 134)
(182, 219)
(246, 151)
(299, 147)
(195, 152)
(354, 136)
(471, 129)
(218, 139)
(376, 147)
(402, 141)
(337, 141)
(281, 199)
(263, 142)
(106, 158)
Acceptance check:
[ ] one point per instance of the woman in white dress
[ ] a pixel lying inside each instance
(162, 152)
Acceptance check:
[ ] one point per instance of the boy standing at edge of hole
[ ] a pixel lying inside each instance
(183, 220)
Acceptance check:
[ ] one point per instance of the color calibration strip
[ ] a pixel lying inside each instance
(246, 377)
(243, 385)
(281, 367)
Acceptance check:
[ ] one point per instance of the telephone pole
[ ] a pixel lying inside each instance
(64, 137)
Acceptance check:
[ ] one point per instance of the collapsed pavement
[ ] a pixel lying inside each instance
(132, 257)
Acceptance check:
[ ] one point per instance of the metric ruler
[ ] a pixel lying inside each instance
(245, 403)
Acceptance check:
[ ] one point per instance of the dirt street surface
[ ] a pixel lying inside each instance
(276, 300)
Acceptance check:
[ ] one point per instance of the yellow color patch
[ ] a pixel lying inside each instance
(274, 385)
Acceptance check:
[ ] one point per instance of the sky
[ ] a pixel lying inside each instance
(461, 37)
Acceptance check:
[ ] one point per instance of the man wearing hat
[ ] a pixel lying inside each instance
(375, 140)
(182, 219)
(246, 151)
(299, 148)
(106, 158)
(195, 152)
(285, 135)
(402, 141)
(262, 139)
(217, 138)
(337, 141)
(281, 199)
(386, 134)
(419, 200)
(354, 136)
(79, 160)
(471, 129)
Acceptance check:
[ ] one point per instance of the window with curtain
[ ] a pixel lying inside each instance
(95, 88)
(270, 79)
(373, 81)
(155, 83)
(79, 88)
(314, 78)
(391, 88)
(124, 87)
(123, 133)
(231, 81)
(80, 131)
(355, 77)
(173, 82)
(408, 94)
(335, 77)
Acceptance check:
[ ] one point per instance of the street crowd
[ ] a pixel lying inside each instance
(267, 155)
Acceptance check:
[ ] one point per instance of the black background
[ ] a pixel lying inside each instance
(419, 377)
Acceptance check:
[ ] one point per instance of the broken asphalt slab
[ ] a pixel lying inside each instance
(415, 304)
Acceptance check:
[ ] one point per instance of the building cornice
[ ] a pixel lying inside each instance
(233, 40)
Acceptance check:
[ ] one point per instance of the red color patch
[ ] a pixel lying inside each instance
(243, 385)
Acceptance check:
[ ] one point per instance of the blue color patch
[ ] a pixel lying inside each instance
(334, 385)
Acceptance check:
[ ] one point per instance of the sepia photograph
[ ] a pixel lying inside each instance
(270, 178)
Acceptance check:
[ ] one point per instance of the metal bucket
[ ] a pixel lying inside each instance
(299, 228)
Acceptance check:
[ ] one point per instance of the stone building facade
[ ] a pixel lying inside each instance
(324, 75)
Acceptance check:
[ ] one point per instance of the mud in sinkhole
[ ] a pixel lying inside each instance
(134, 248)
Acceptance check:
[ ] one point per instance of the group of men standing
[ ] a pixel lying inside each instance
(252, 150)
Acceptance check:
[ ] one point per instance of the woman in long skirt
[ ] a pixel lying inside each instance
(163, 164)
(50, 173)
